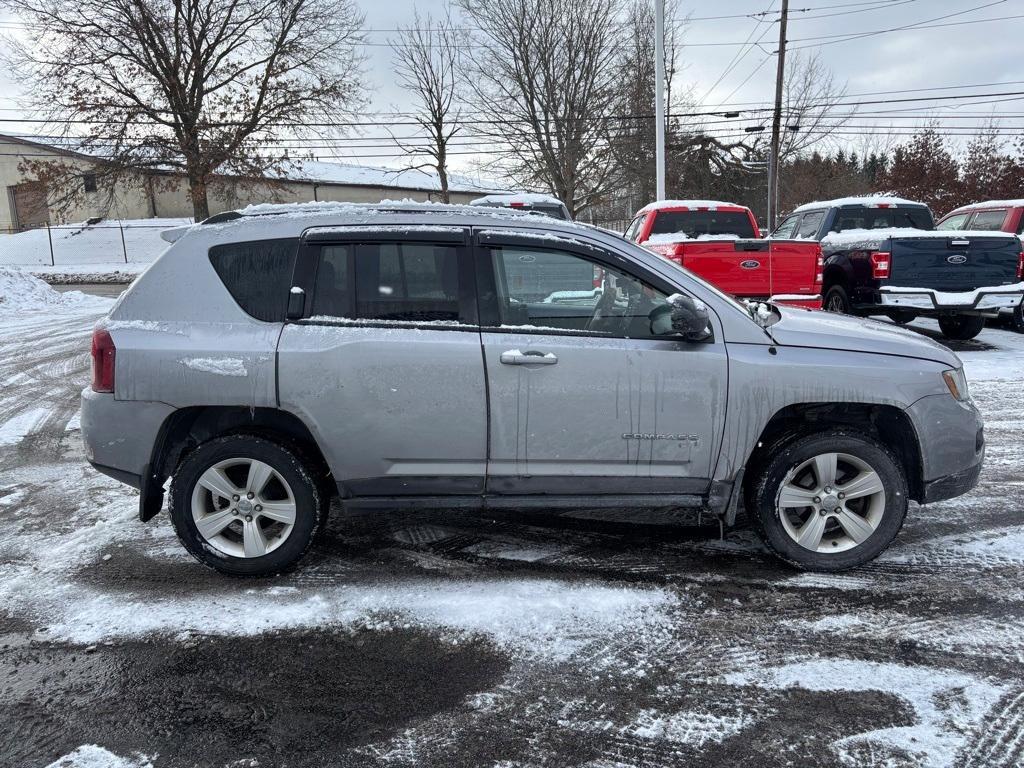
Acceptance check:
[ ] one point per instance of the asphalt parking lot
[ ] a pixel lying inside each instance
(447, 639)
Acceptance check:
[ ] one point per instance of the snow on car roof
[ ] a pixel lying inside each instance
(871, 201)
(687, 205)
(868, 238)
(520, 198)
(1018, 203)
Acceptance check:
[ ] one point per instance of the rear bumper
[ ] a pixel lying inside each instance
(119, 434)
(991, 299)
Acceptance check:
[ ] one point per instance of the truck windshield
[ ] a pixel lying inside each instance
(696, 223)
(862, 217)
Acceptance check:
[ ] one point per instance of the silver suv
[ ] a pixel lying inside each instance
(443, 356)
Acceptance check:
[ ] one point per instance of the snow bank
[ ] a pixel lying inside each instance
(871, 201)
(89, 243)
(20, 290)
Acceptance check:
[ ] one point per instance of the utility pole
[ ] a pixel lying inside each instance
(773, 157)
(659, 96)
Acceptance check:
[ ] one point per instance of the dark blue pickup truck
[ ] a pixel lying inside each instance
(883, 257)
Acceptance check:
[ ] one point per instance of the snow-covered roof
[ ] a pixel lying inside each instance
(709, 205)
(870, 201)
(517, 198)
(867, 238)
(321, 172)
(1018, 203)
(313, 171)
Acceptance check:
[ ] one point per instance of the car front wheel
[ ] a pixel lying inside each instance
(829, 501)
(245, 506)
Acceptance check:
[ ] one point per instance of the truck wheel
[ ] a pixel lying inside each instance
(961, 327)
(829, 501)
(1017, 319)
(902, 318)
(836, 300)
(245, 506)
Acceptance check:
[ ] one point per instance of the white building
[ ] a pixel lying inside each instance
(26, 203)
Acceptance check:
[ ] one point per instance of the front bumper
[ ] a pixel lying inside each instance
(951, 486)
(951, 436)
(991, 299)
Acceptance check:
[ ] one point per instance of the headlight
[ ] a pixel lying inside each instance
(957, 383)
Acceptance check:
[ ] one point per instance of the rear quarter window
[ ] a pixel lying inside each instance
(258, 275)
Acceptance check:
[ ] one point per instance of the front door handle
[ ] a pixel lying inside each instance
(530, 357)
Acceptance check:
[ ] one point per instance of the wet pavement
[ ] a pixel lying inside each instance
(452, 639)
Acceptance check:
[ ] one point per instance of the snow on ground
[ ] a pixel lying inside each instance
(78, 246)
(93, 756)
(21, 291)
(619, 644)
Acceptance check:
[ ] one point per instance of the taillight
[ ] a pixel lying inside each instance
(819, 267)
(102, 361)
(1020, 266)
(880, 261)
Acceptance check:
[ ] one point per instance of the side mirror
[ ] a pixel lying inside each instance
(296, 303)
(690, 318)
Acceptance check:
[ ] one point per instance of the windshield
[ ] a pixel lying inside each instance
(862, 217)
(696, 223)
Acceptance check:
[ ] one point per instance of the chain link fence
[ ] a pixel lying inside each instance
(103, 243)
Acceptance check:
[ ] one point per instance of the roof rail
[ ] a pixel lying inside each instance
(220, 218)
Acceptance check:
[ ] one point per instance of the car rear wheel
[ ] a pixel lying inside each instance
(837, 300)
(246, 506)
(961, 327)
(829, 501)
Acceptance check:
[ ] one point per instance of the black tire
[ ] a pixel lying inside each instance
(837, 300)
(961, 327)
(310, 504)
(904, 317)
(1017, 319)
(791, 453)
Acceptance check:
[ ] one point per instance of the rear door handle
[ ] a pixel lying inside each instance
(530, 357)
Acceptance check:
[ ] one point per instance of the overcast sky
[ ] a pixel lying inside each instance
(966, 51)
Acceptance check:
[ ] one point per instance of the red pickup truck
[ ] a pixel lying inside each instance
(721, 242)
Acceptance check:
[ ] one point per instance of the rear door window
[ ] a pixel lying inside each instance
(406, 282)
(954, 222)
(633, 231)
(990, 221)
(810, 224)
(787, 228)
(258, 275)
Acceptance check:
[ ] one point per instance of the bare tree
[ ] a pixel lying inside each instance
(545, 80)
(811, 104)
(199, 87)
(426, 59)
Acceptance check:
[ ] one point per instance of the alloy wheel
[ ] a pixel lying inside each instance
(243, 507)
(831, 503)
